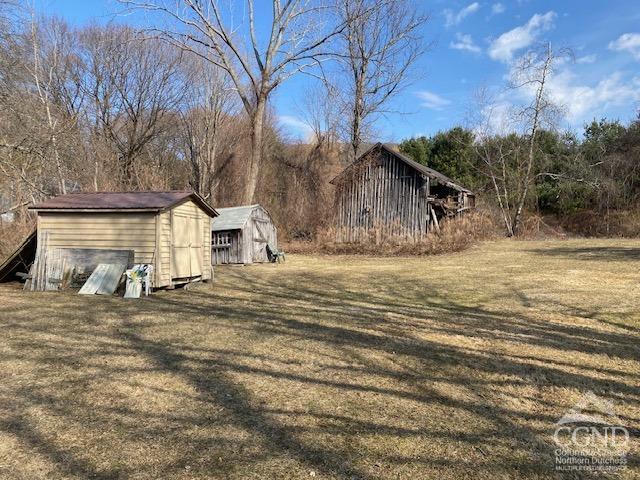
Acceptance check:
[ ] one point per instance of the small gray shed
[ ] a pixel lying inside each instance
(241, 235)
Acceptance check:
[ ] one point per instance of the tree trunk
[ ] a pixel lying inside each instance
(127, 169)
(253, 169)
(503, 209)
(355, 135)
(96, 169)
(356, 124)
(538, 109)
(56, 156)
(517, 217)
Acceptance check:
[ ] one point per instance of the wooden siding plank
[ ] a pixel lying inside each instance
(383, 195)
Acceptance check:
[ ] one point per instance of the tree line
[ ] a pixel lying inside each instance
(526, 162)
(596, 171)
(185, 101)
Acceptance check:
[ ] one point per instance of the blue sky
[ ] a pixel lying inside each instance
(473, 45)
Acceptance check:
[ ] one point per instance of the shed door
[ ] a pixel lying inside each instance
(195, 252)
(260, 241)
(186, 251)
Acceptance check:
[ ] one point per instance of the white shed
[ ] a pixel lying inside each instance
(241, 235)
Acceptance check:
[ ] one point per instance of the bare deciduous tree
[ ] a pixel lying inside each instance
(210, 130)
(133, 86)
(49, 71)
(297, 41)
(379, 45)
(533, 72)
(510, 168)
(321, 112)
(38, 138)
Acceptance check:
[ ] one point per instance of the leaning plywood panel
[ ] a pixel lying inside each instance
(87, 259)
(92, 284)
(111, 279)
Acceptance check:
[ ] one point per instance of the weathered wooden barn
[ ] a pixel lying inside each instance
(386, 194)
(241, 235)
(170, 230)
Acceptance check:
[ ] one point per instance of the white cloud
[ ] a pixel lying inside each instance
(432, 100)
(587, 59)
(464, 42)
(496, 119)
(629, 42)
(301, 128)
(454, 18)
(582, 102)
(497, 8)
(579, 101)
(503, 47)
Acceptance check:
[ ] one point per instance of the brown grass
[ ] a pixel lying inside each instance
(456, 235)
(450, 367)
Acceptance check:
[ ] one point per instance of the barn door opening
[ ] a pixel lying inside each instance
(221, 245)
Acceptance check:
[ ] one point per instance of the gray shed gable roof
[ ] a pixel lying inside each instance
(429, 172)
(232, 218)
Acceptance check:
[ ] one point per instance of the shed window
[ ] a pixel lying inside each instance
(222, 238)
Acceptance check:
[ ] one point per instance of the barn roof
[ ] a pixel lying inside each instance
(131, 201)
(429, 172)
(232, 218)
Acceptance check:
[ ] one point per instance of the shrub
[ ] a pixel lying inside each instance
(455, 234)
(617, 223)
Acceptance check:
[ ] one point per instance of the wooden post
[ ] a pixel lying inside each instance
(435, 220)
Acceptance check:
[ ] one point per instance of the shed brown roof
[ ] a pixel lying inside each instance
(150, 201)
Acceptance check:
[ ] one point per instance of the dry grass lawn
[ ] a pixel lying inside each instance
(448, 367)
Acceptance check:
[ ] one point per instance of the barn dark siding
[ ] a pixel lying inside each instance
(381, 196)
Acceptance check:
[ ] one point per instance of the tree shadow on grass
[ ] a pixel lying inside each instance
(591, 253)
(403, 364)
(271, 319)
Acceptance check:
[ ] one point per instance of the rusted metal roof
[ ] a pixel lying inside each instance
(429, 172)
(146, 201)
